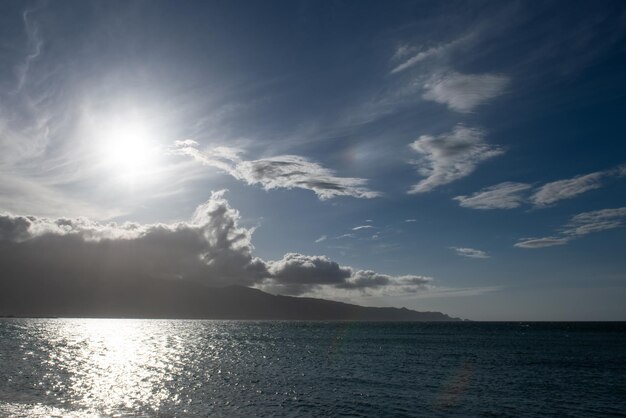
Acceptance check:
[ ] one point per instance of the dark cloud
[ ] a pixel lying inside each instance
(211, 248)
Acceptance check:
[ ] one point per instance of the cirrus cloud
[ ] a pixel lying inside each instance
(450, 156)
(285, 171)
(580, 225)
(470, 252)
(464, 92)
(507, 195)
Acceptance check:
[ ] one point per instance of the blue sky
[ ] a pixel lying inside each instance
(469, 155)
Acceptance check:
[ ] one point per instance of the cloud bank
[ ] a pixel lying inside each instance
(284, 171)
(211, 248)
(450, 156)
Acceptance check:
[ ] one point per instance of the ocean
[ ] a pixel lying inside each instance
(167, 368)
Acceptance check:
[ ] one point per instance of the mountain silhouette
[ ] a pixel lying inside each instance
(161, 298)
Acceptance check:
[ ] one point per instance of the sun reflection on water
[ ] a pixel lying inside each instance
(116, 365)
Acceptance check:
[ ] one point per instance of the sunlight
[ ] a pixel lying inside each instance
(128, 151)
(113, 366)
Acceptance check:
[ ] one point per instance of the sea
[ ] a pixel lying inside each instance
(198, 368)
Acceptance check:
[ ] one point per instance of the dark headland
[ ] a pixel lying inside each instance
(179, 299)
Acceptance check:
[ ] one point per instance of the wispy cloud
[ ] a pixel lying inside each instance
(595, 221)
(541, 242)
(551, 193)
(450, 156)
(449, 292)
(345, 236)
(510, 195)
(464, 92)
(284, 171)
(34, 48)
(579, 226)
(470, 252)
(407, 55)
(416, 58)
(410, 220)
(322, 238)
(506, 195)
(358, 228)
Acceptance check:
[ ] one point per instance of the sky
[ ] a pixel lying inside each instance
(461, 156)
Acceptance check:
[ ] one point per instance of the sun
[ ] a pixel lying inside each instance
(128, 149)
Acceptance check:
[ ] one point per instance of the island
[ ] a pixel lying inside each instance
(179, 299)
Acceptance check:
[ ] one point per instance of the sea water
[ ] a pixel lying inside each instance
(124, 367)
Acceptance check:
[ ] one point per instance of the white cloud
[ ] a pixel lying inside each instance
(404, 50)
(423, 54)
(410, 220)
(34, 48)
(464, 92)
(580, 225)
(507, 195)
(450, 156)
(346, 236)
(552, 192)
(470, 252)
(358, 228)
(285, 171)
(555, 191)
(595, 221)
(510, 195)
(541, 242)
(322, 238)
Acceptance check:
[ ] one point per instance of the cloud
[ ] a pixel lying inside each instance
(358, 228)
(211, 248)
(34, 48)
(551, 193)
(595, 221)
(470, 252)
(410, 220)
(464, 92)
(510, 195)
(346, 236)
(579, 226)
(365, 279)
(297, 273)
(450, 156)
(440, 51)
(507, 195)
(541, 242)
(322, 238)
(285, 171)
(415, 59)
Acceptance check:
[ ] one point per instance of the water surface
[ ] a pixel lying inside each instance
(101, 367)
